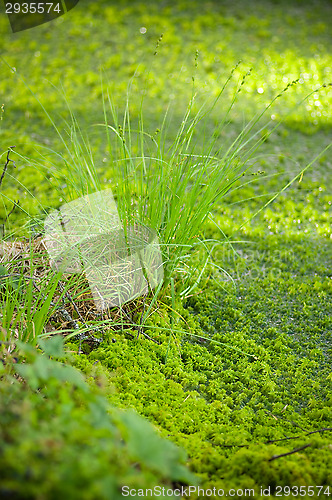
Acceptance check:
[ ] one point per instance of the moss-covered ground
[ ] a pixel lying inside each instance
(233, 410)
(242, 373)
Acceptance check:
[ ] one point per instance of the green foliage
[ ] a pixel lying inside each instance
(42, 370)
(65, 440)
(26, 306)
(7, 279)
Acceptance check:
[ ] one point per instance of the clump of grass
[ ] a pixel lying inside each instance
(30, 292)
(172, 184)
(27, 303)
(168, 184)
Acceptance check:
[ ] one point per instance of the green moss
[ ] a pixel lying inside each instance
(225, 408)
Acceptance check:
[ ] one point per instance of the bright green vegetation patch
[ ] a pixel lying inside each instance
(242, 373)
(281, 40)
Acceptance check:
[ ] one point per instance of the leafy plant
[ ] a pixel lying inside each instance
(65, 439)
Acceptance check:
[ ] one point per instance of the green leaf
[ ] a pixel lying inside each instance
(3, 270)
(43, 369)
(27, 372)
(6, 277)
(27, 349)
(147, 446)
(53, 346)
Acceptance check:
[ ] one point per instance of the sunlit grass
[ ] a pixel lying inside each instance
(170, 185)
